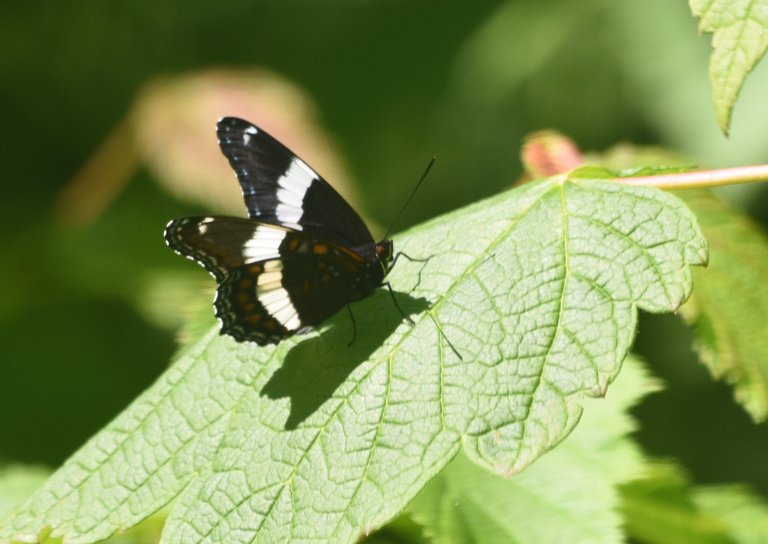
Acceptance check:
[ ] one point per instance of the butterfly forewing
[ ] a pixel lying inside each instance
(282, 189)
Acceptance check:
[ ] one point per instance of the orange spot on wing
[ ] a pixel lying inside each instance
(246, 283)
(320, 249)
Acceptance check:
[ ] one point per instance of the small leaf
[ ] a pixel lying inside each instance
(740, 38)
(546, 503)
(537, 289)
(592, 171)
(601, 172)
(744, 512)
(729, 309)
(664, 508)
(658, 509)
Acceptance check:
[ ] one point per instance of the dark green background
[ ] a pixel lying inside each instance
(395, 82)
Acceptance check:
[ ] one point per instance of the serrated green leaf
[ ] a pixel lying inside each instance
(537, 289)
(740, 38)
(729, 308)
(569, 495)
(744, 512)
(658, 509)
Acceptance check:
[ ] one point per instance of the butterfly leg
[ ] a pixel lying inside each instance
(394, 300)
(413, 260)
(354, 326)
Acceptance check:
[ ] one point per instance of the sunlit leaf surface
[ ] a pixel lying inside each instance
(537, 290)
(569, 495)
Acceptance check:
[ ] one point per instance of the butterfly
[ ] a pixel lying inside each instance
(301, 255)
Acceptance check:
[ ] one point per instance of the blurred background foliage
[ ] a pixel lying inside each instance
(108, 116)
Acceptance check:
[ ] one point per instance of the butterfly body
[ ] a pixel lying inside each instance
(301, 256)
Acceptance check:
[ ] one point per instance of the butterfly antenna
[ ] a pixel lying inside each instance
(410, 197)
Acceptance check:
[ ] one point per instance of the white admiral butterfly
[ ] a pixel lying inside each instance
(302, 255)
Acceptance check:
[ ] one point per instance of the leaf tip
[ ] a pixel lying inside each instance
(723, 116)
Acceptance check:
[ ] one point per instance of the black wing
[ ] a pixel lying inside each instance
(273, 282)
(281, 189)
(221, 244)
(269, 301)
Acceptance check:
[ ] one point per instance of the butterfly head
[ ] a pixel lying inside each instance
(384, 253)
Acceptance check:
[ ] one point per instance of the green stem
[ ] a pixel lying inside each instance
(704, 178)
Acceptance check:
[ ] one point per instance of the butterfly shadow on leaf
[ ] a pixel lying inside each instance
(316, 367)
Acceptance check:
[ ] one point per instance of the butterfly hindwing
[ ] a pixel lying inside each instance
(273, 281)
(282, 189)
(221, 244)
(252, 304)
(267, 301)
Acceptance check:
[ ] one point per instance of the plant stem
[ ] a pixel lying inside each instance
(705, 178)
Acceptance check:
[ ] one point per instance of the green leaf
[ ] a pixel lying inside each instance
(402, 530)
(663, 507)
(744, 512)
(547, 502)
(740, 38)
(729, 308)
(658, 509)
(17, 482)
(537, 289)
(592, 171)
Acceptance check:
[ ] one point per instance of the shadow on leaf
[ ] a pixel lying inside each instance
(315, 368)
